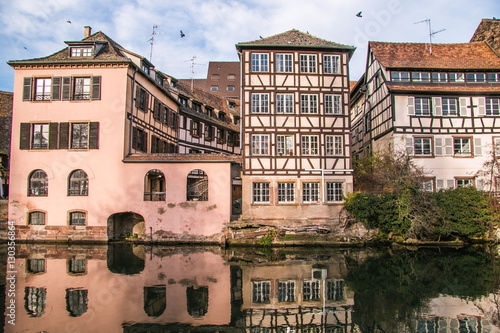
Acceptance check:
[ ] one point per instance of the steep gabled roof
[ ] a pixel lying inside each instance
(488, 31)
(110, 52)
(294, 38)
(475, 55)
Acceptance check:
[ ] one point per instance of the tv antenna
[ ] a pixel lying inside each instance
(193, 63)
(152, 39)
(431, 33)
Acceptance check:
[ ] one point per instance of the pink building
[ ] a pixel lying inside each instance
(95, 142)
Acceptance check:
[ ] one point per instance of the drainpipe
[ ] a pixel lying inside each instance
(241, 97)
(132, 112)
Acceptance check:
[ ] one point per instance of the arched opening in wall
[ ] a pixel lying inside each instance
(126, 259)
(197, 186)
(197, 301)
(154, 186)
(155, 300)
(125, 225)
(76, 301)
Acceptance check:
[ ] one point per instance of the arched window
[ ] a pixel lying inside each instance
(76, 301)
(78, 183)
(197, 301)
(155, 300)
(77, 218)
(154, 186)
(36, 218)
(38, 184)
(197, 186)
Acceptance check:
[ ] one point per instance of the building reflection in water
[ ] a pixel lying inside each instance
(129, 289)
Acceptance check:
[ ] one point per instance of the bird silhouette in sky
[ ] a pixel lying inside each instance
(182, 34)
(359, 14)
(68, 21)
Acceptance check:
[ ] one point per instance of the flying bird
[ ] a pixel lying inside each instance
(261, 37)
(68, 21)
(182, 34)
(359, 14)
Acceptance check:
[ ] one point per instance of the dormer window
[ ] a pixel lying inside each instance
(183, 100)
(222, 116)
(145, 68)
(81, 51)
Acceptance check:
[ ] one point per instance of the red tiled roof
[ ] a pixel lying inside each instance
(446, 89)
(172, 158)
(476, 55)
(488, 31)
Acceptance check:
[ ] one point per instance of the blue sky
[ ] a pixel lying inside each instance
(36, 28)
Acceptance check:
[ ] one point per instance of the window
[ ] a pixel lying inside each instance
(76, 266)
(400, 76)
(260, 193)
(449, 106)
(335, 290)
(462, 146)
(310, 192)
(221, 136)
(214, 88)
(197, 301)
(209, 133)
(42, 89)
(308, 104)
(79, 135)
(456, 77)
(231, 77)
(331, 64)
(475, 77)
(145, 68)
(286, 192)
(36, 218)
(260, 62)
(195, 129)
(308, 63)
(420, 77)
(154, 186)
(464, 182)
(260, 144)
(332, 104)
(284, 63)
(428, 185)
(81, 51)
(197, 107)
(38, 184)
(334, 192)
(230, 88)
(35, 266)
(439, 77)
(422, 106)
(40, 136)
(284, 103)
(215, 76)
(260, 103)
(78, 183)
(309, 145)
(311, 290)
(35, 300)
(286, 291)
(139, 139)
(261, 290)
(334, 145)
(197, 186)
(284, 145)
(221, 116)
(492, 106)
(183, 100)
(76, 301)
(422, 146)
(77, 218)
(493, 77)
(81, 89)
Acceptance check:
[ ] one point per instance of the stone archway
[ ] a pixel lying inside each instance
(124, 225)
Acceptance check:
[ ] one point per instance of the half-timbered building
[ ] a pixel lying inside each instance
(439, 103)
(295, 128)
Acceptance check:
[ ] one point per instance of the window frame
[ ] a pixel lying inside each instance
(445, 106)
(331, 64)
(43, 133)
(284, 63)
(420, 110)
(46, 87)
(308, 63)
(284, 104)
(475, 78)
(75, 218)
(397, 76)
(309, 103)
(420, 77)
(423, 148)
(261, 292)
(82, 86)
(259, 62)
(334, 145)
(333, 104)
(81, 180)
(456, 77)
(490, 109)
(334, 194)
(79, 141)
(38, 187)
(308, 146)
(436, 77)
(259, 144)
(260, 103)
(285, 192)
(311, 192)
(261, 192)
(40, 215)
(460, 152)
(283, 143)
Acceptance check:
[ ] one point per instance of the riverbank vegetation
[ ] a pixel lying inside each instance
(391, 196)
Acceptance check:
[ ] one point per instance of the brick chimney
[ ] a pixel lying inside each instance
(88, 31)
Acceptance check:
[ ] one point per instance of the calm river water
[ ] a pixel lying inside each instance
(124, 288)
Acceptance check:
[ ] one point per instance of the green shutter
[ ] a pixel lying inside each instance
(24, 140)
(53, 133)
(96, 88)
(66, 88)
(56, 88)
(63, 135)
(94, 135)
(27, 84)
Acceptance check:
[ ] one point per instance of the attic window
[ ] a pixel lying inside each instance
(81, 51)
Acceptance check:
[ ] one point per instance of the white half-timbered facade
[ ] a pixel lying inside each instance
(295, 127)
(439, 104)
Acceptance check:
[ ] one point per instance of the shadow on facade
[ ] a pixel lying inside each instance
(125, 225)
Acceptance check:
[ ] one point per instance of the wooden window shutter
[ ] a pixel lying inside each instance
(56, 88)
(96, 88)
(450, 183)
(137, 96)
(409, 146)
(163, 109)
(153, 144)
(176, 121)
(135, 134)
(448, 146)
(481, 106)
(439, 184)
(496, 145)
(170, 121)
(156, 108)
(411, 105)
(27, 84)
(94, 135)
(478, 147)
(438, 146)
(66, 88)
(146, 101)
(145, 140)
(437, 104)
(63, 135)
(53, 134)
(24, 140)
(463, 106)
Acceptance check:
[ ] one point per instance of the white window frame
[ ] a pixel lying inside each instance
(260, 62)
(333, 104)
(456, 77)
(331, 64)
(310, 192)
(309, 104)
(285, 145)
(260, 144)
(39, 136)
(285, 192)
(284, 63)
(462, 148)
(81, 88)
(261, 192)
(439, 77)
(464, 182)
(309, 145)
(493, 109)
(400, 77)
(261, 291)
(334, 145)
(475, 77)
(447, 107)
(308, 63)
(260, 103)
(284, 104)
(81, 51)
(286, 291)
(421, 109)
(420, 77)
(334, 192)
(43, 89)
(419, 142)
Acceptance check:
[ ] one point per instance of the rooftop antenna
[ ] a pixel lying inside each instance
(152, 39)
(431, 33)
(192, 69)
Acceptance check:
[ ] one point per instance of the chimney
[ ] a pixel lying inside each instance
(88, 31)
